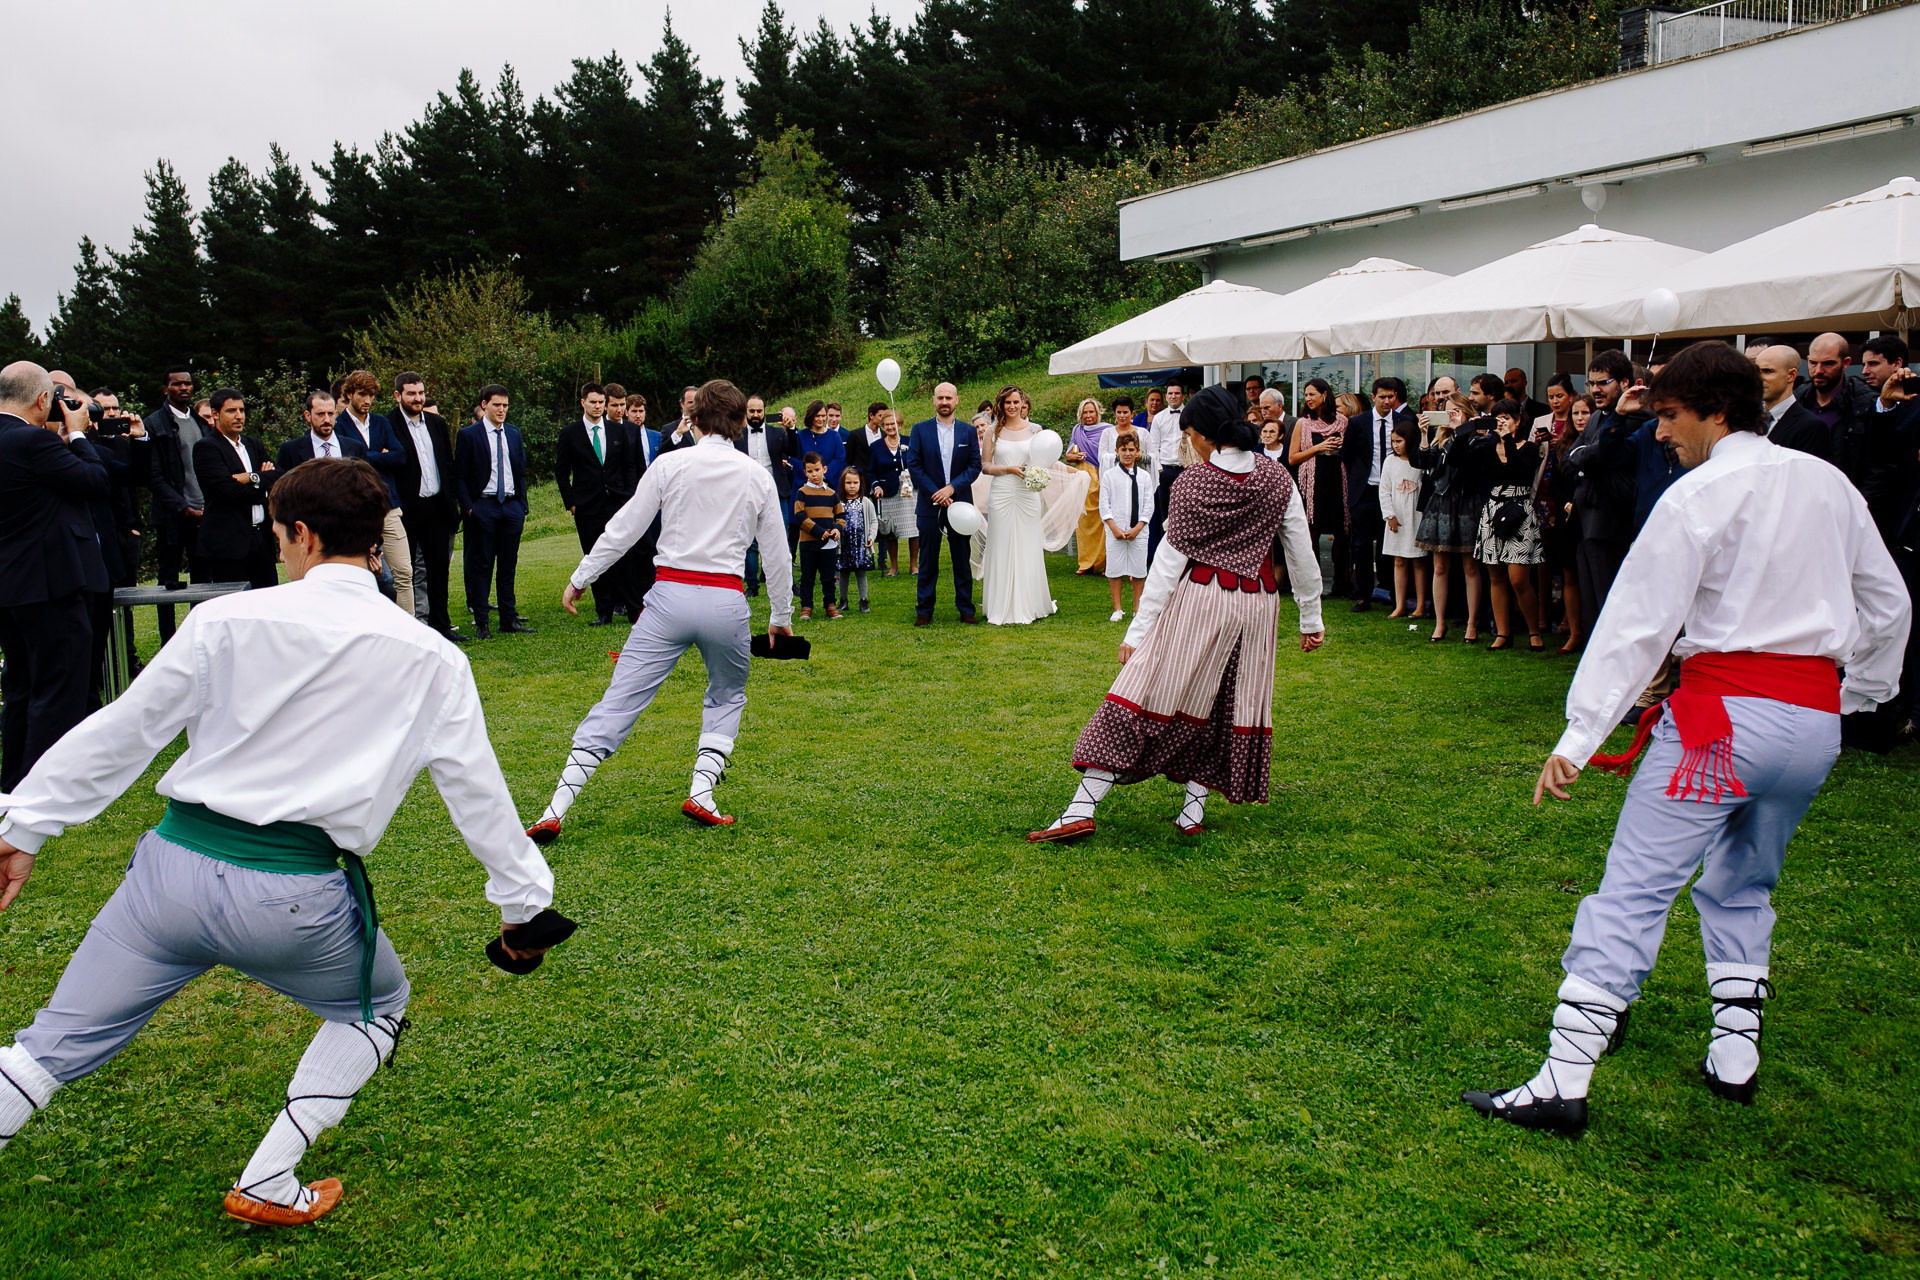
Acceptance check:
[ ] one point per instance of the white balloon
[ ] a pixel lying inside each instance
(1660, 309)
(1046, 449)
(888, 373)
(964, 519)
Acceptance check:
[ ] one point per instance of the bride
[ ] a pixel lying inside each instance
(1015, 572)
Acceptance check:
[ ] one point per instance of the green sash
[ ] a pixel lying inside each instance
(284, 848)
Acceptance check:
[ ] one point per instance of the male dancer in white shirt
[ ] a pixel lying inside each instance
(713, 502)
(246, 868)
(1766, 565)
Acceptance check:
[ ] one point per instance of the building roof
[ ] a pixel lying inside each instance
(1712, 109)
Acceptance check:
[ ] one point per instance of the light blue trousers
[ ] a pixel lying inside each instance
(179, 913)
(679, 616)
(1782, 754)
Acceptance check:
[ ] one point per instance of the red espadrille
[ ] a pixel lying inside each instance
(264, 1213)
(704, 816)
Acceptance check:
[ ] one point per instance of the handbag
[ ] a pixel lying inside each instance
(1509, 518)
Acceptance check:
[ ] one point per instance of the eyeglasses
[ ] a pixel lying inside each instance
(1600, 382)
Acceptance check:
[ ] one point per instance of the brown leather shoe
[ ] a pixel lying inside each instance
(1071, 831)
(971, 619)
(833, 611)
(806, 615)
(922, 619)
(263, 1213)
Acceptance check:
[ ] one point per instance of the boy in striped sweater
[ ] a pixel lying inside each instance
(822, 521)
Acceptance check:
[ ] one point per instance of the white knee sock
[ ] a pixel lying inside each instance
(1194, 810)
(1093, 788)
(581, 762)
(25, 1087)
(1582, 1023)
(709, 766)
(342, 1057)
(1734, 1053)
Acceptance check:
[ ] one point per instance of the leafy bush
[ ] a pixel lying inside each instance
(465, 330)
(1018, 254)
(766, 302)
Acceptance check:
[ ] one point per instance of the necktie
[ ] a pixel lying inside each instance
(599, 453)
(326, 448)
(500, 466)
(1133, 492)
(756, 430)
(1382, 422)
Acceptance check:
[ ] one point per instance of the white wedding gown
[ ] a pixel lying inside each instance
(1014, 575)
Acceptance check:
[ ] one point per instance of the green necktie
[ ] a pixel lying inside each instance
(598, 452)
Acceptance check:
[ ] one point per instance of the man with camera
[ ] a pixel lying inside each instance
(49, 561)
(174, 429)
(116, 518)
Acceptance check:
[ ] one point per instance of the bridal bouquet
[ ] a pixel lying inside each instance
(1037, 478)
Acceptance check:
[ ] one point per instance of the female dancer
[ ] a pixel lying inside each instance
(1194, 698)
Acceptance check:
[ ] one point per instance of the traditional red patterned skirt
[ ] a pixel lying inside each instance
(1195, 701)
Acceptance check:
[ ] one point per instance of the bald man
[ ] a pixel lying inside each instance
(49, 562)
(943, 457)
(1793, 427)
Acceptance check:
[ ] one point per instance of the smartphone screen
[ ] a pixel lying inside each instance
(1434, 418)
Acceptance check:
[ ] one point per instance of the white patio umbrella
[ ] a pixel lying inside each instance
(1296, 326)
(1512, 299)
(1157, 339)
(1854, 264)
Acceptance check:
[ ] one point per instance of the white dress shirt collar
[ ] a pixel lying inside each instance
(326, 446)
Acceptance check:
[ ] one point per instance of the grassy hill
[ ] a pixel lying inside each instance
(1054, 399)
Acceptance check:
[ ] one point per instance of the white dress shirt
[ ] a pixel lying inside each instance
(246, 464)
(1778, 412)
(364, 426)
(1379, 432)
(326, 446)
(423, 450)
(713, 501)
(1108, 454)
(1303, 563)
(1758, 549)
(1164, 447)
(943, 437)
(757, 447)
(315, 701)
(498, 453)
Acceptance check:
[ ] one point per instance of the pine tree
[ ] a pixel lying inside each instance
(161, 284)
(362, 238)
(295, 327)
(240, 284)
(17, 341)
(588, 146)
(695, 157)
(766, 95)
(85, 337)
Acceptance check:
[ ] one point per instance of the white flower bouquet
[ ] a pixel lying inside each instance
(1037, 478)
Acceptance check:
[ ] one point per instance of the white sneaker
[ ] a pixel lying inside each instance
(1117, 615)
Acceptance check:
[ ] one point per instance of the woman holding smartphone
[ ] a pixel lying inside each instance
(1450, 509)
(1317, 436)
(1509, 542)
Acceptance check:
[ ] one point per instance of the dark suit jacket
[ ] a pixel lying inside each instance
(471, 467)
(923, 464)
(1356, 451)
(1798, 429)
(857, 449)
(227, 530)
(384, 449)
(584, 479)
(667, 444)
(48, 548)
(782, 448)
(300, 449)
(1604, 497)
(166, 466)
(446, 503)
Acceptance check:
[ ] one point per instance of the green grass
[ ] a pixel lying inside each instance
(870, 1032)
(1055, 400)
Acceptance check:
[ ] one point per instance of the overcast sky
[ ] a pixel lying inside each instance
(113, 85)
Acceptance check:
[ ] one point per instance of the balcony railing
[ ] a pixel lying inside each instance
(1681, 35)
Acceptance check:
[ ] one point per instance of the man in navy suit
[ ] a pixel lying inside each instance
(49, 561)
(490, 471)
(1368, 445)
(389, 457)
(322, 439)
(943, 457)
(773, 447)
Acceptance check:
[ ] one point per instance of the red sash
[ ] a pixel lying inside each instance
(1706, 734)
(697, 579)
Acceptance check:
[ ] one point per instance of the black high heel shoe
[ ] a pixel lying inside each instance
(1500, 642)
(1537, 644)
